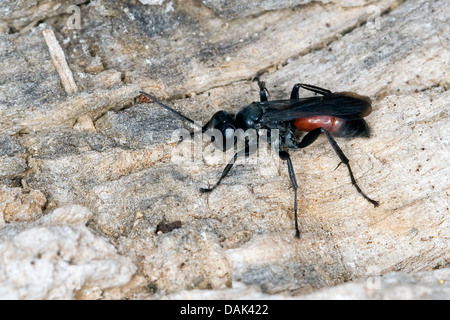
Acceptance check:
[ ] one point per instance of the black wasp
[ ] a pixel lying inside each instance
(335, 114)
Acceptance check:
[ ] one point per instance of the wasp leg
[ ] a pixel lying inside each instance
(262, 89)
(345, 161)
(319, 90)
(203, 130)
(307, 139)
(311, 136)
(244, 152)
(285, 156)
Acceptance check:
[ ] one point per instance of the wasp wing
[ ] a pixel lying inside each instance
(344, 105)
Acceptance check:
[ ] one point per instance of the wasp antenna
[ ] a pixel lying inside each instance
(168, 108)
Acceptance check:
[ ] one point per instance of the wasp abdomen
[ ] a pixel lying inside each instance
(332, 124)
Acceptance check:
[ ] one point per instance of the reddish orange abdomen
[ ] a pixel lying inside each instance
(329, 123)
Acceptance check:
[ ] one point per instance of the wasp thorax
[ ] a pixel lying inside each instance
(248, 118)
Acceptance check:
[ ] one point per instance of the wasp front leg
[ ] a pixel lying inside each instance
(247, 151)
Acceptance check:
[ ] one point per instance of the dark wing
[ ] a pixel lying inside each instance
(344, 105)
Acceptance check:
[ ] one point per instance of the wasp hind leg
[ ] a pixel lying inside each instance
(319, 90)
(311, 136)
(345, 161)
